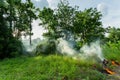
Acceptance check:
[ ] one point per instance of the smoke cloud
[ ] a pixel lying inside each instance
(86, 52)
(66, 47)
(93, 50)
(28, 47)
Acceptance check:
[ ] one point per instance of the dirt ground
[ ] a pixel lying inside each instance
(115, 76)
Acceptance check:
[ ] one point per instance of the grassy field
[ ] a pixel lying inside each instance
(50, 67)
(112, 51)
(56, 67)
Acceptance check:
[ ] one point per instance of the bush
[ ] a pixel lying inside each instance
(10, 48)
(45, 47)
(111, 50)
(15, 47)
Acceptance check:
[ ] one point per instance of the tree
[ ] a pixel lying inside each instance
(20, 17)
(66, 21)
(65, 17)
(114, 34)
(49, 22)
(87, 25)
(59, 22)
(9, 46)
(70, 23)
(26, 13)
(30, 11)
(15, 17)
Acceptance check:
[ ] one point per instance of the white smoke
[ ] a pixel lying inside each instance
(28, 47)
(66, 48)
(93, 50)
(87, 51)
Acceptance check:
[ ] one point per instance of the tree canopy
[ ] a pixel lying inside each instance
(15, 17)
(67, 22)
(71, 23)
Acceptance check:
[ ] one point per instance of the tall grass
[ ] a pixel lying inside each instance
(52, 67)
(112, 51)
(56, 67)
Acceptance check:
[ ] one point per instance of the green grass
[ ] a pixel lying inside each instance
(56, 67)
(50, 67)
(112, 52)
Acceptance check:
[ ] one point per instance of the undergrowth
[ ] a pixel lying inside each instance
(111, 51)
(52, 67)
(57, 67)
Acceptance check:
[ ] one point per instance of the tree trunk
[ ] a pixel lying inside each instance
(30, 31)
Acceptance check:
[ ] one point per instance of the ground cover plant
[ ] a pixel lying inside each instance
(111, 50)
(47, 68)
(52, 67)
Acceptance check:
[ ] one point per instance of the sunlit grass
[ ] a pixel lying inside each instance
(55, 67)
(111, 52)
(52, 67)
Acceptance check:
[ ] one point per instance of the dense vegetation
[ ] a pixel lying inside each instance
(52, 67)
(66, 22)
(15, 17)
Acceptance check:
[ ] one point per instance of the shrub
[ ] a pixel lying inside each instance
(10, 48)
(45, 47)
(111, 50)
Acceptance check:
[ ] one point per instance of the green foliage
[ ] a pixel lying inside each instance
(58, 22)
(65, 15)
(51, 67)
(15, 17)
(50, 23)
(14, 48)
(10, 48)
(111, 50)
(88, 26)
(90, 74)
(70, 23)
(114, 34)
(45, 47)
